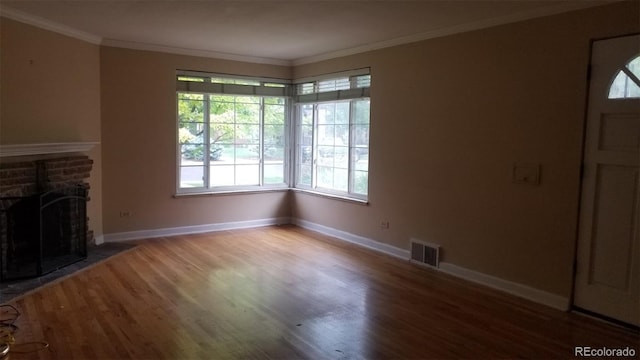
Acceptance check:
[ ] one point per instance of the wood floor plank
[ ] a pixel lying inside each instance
(289, 293)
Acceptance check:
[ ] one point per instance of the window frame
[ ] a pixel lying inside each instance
(309, 92)
(322, 91)
(627, 74)
(203, 84)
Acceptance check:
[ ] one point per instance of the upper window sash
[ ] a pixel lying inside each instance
(223, 84)
(342, 86)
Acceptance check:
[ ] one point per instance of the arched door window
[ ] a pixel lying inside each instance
(627, 82)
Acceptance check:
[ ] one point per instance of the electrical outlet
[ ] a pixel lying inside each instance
(384, 224)
(125, 213)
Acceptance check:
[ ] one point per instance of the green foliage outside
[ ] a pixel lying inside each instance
(234, 124)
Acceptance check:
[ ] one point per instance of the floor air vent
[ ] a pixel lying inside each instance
(424, 253)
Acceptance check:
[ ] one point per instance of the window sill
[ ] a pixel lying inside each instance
(229, 192)
(331, 196)
(262, 191)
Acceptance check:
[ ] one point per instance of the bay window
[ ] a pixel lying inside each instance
(234, 133)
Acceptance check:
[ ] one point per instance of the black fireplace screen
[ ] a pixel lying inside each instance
(44, 232)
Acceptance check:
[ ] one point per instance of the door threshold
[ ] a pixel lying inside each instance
(606, 319)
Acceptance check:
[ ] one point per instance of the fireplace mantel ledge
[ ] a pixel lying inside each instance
(48, 148)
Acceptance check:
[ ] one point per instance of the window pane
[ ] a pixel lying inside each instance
(306, 114)
(342, 112)
(248, 113)
(341, 135)
(274, 114)
(191, 176)
(363, 81)
(191, 133)
(275, 100)
(325, 177)
(273, 153)
(189, 78)
(192, 153)
(306, 88)
(326, 134)
(325, 155)
(305, 135)
(304, 150)
(247, 134)
(360, 182)
(623, 87)
(341, 179)
(247, 154)
(228, 154)
(222, 175)
(361, 135)
(247, 175)
(235, 81)
(361, 111)
(221, 133)
(326, 113)
(190, 96)
(360, 156)
(334, 84)
(634, 66)
(304, 173)
(222, 109)
(222, 98)
(273, 173)
(190, 110)
(341, 157)
(274, 135)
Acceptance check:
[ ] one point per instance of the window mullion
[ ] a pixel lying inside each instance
(350, 148)
(207, 140)
(261, 143)
(290, 143)
(314, 146)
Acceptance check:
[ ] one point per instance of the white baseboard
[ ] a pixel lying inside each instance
(523, 291)
(354, 239)
(99, 240)
(195, 229)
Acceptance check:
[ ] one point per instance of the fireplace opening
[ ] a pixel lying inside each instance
(43, 232)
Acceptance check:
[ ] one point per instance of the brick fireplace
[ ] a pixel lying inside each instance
(43, 221)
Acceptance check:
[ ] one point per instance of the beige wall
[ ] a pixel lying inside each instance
(50, 92)
(450, 116)
(139, 144)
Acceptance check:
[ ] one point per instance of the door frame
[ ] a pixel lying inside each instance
(583, 144)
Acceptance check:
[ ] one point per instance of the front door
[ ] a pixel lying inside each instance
(608, 259)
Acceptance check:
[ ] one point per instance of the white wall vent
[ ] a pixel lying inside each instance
(425, 253)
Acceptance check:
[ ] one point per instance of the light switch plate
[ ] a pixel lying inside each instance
(526, 174)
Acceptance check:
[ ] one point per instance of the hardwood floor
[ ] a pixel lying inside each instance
(284, 292)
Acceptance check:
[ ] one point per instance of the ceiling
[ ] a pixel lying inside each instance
(279, 32)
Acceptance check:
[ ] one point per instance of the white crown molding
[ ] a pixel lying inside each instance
(45, 149)
(452, 30)
(193, 52)
(42, 23)
(94, 39)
